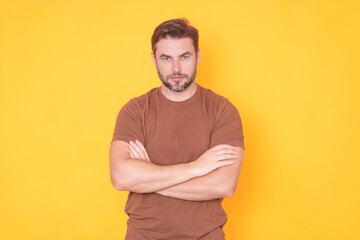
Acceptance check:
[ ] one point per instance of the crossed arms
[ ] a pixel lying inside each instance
(213, 175)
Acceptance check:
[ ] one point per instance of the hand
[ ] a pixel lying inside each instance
(216, 157)
(138, 151)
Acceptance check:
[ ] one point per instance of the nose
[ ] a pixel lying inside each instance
(176, 66)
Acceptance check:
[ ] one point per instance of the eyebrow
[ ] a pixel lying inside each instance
(185, 53)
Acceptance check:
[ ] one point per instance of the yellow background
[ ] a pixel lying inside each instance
(290, 67)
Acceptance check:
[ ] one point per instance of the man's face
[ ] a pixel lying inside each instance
(176, 62)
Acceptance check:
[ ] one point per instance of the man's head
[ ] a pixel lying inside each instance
(176, 53)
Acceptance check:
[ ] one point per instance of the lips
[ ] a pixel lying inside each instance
(177, 78)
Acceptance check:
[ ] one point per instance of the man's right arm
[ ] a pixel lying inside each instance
(141, 176)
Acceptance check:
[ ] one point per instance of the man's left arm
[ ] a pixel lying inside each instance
(218, 184)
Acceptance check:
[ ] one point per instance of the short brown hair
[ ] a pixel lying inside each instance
(175, 28)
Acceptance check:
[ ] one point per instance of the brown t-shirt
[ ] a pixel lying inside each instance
(173, 133)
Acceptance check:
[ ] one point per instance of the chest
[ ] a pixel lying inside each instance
(176, 136)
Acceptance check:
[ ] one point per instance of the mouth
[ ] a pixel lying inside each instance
(176, 79)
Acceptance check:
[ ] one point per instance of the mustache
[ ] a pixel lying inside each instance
(177, 75)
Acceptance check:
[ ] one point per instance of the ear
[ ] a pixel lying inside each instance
(198, 56)
(153, 58)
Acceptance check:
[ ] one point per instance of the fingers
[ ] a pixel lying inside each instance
(226, 156)
(223, 146)
(226, 163)
(133, 152)
(226, 153)
(137, 150)
(132, 155)
(143, 149)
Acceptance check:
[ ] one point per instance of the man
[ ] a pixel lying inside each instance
(178, 148)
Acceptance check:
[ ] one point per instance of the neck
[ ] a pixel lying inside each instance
(179, 96)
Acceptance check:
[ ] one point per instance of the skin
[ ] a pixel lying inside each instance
(137, 175)
(217, 184)
(213, 175)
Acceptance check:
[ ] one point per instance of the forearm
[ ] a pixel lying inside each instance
(207, 187)
(218, 184)
(144, 177)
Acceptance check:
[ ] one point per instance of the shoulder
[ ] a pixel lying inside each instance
(215, 100)
(140, 102)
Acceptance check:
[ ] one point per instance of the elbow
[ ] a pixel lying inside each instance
(119, 187)
(228, 194)
(122, 178)
(119, 183)
(127, 183)
(228, 191)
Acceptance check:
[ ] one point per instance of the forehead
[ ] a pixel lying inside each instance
(174, 46)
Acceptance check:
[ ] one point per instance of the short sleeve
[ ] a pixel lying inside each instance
(128, 124)
(227, 127)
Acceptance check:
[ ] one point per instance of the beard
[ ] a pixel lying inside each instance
(177, 87)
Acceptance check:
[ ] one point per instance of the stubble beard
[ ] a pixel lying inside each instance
(177, 87)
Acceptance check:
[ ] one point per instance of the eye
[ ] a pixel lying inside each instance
(165, 58)
(185, 57)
